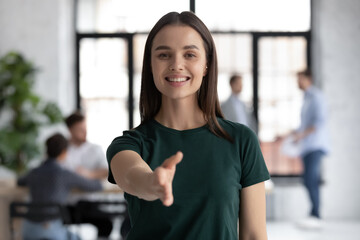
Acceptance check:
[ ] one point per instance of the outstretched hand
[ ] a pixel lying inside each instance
(163, 178)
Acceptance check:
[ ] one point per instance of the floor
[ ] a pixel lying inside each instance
(331, 230)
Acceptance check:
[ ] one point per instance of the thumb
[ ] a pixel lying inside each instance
(173, 160)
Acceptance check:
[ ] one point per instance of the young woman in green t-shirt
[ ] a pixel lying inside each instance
(186, 172)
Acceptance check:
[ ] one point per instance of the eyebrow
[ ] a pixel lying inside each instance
(163, 47)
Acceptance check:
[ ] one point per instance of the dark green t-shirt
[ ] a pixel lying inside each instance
(206, 185)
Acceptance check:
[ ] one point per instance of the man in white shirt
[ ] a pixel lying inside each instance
(88, 160)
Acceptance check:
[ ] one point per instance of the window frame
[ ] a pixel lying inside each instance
(255, 35)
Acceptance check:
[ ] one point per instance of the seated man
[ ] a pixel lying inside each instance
(84, 157)
(50, 183)
(88, 160)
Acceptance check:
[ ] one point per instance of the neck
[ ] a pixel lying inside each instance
(76, 142)
(180, 114)
(306, 87)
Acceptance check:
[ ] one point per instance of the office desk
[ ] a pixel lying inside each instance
(10, 192)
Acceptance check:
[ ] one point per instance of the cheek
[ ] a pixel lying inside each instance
(155, 69)
(200, 71)
(156, 75)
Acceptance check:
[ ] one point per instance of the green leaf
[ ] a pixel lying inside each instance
(28, 111)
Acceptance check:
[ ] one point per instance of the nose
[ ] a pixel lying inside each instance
(176, 64)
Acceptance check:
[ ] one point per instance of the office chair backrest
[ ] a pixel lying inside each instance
(101, 209)
(36, 212)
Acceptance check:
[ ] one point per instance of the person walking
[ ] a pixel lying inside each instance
(313, 138)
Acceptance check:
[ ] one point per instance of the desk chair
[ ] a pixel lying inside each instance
(103, 210)
(36, 212)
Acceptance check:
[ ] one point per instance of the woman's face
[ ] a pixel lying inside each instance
(178, 62)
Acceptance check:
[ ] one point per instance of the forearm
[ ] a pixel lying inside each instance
(132, 174)
(136, 177)
(308, 131)
(138, 182)
(99, 173)
(298, 135)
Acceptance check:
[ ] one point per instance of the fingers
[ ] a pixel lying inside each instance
(165, 175)
(172, 161)
(168, 197)
(163, 183)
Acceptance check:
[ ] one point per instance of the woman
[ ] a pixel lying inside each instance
(187, 173)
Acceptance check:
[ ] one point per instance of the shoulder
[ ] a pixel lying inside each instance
(242, 135)
(136, 134)
(67, 175)
(315, 92)
(228, 102)
(317, 98)
(132, 139)
(234, 128)
(89, 149)
(90, 146)
(49, 167)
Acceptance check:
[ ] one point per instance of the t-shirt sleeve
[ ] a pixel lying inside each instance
(253, 166)
(130, 140)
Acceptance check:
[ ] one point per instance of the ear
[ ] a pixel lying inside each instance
(205, 71)
(62, 155)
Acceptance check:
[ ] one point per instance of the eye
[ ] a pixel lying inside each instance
(190, 55)
(163, 55)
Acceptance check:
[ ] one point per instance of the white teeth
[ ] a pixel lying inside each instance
(176, 79)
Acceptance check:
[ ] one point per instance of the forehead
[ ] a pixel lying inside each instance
(80, 124)
(175, 36)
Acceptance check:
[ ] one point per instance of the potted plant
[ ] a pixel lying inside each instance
(22, 113)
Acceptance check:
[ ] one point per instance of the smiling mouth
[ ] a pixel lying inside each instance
(182, 79)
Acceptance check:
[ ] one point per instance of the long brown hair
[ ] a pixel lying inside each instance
(150, 97)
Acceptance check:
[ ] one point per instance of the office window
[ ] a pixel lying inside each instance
(123, 15)
(234, 57)
(104, 88)
(255, 15)
(280, 99)
(264, 40)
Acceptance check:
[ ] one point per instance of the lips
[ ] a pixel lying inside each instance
(177, 79)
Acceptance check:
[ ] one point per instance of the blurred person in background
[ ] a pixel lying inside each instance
(88, 160)
(312, 137)
(234, 109)
(50, 183)
(84, 157)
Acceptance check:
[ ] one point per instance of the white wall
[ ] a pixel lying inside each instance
(43, 31)
(336, 57)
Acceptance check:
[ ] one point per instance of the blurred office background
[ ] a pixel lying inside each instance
(89, 53)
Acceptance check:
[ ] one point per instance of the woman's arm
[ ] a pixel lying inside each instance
(252, 217)
(135, 177)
